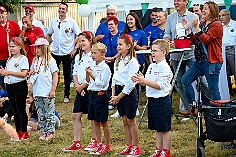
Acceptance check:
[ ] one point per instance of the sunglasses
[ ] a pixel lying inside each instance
(196, 5)
(110, 13)
(59, 25)
(28, 11)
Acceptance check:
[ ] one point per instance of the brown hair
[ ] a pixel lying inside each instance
(163, 45)
(90, 36)
(128, 40)
(16, 41)
(214, 10)
(137, 23)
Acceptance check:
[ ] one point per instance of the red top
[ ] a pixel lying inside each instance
(32, 35)
(213, 39)
(14, 31)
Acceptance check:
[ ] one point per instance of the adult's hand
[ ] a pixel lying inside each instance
(72, 53)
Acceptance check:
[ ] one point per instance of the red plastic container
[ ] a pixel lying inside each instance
(182, 43)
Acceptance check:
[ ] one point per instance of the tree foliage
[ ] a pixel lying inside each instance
(10, 5)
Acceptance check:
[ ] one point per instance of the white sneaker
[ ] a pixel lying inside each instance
(115, 115)
(66, 100)
(72, 84)
(137, 112)
(110, 107)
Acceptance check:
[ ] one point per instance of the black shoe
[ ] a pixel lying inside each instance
(231, 145)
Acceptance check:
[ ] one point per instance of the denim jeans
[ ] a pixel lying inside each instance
(181, 72)
(200, 68)
(3, 64)
(45, 108)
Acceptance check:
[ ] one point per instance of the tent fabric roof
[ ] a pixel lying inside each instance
(123, 5)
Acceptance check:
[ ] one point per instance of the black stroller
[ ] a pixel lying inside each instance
(219, 128)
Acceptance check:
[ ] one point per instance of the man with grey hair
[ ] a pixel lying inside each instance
(103, 27)
(174, 29)
(229, 37)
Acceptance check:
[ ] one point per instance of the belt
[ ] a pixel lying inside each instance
(98, 92)
(229, 47)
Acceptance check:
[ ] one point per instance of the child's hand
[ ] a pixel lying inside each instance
(114, 100)
(32, 72)
(79, 88)
(52, 94)
(82, 93)
(89, 71)
(140, 78)
(4, 72)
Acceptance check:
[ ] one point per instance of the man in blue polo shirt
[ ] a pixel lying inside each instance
(103, 27)
(153, 26)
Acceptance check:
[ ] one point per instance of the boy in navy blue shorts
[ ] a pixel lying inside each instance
(158, 85)
(98, 76)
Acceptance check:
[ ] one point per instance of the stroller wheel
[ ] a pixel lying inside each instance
(200, 151)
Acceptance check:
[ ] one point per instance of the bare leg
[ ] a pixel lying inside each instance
(134, 130)
(166, 139)
(106, 130)
(77, 124)
(128, 136)
(93, 130)
(98, 129)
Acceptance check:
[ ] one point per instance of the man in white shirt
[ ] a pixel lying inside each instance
(229, 37)
(64, 46)
(29, 11)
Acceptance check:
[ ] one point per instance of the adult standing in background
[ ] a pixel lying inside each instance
(208, 52)
(45, 28)
(29, 11)
(229, 37)
(134, 28)
(8, 30)
(159, 32)
(65, 44)
(174, 29)
(153, 26)
(29, 35)
(197, 9)
(103, 27)
(110, 40)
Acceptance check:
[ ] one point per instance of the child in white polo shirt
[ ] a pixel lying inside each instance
(44, 78)
(158, 85)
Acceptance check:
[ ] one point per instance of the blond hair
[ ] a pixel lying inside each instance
(100, 47)
(163, 45)
(47, 56)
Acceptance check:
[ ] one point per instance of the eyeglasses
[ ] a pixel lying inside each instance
(223, 15)
(196, 5)
(59, 25)
(28, 11)
(110, 13)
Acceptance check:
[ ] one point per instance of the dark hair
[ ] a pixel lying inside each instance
(104, 19)
(63, 3)
(201, 6)
(155, 9)
(112, 18)
(137, 23)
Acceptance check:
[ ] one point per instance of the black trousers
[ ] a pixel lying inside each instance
(66, 65)
(17, 94)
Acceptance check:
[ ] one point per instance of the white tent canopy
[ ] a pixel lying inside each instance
(123, 5)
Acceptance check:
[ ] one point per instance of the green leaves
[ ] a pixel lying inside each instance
(10, 5)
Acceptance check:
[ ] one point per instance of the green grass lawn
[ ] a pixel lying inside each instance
(184, 135)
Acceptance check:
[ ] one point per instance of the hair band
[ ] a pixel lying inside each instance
(17, 41)
(126, 37)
